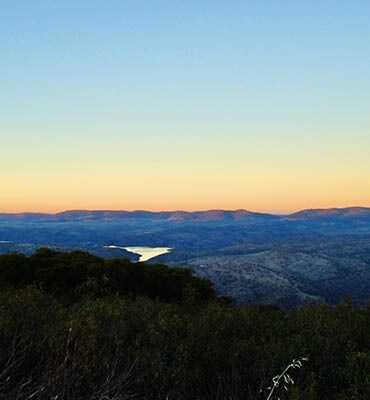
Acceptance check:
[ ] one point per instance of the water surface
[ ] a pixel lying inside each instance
(145, 253)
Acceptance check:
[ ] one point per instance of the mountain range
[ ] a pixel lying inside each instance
(310, 255)
(208, 215)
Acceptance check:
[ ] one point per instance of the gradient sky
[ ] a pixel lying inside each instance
(196, 104)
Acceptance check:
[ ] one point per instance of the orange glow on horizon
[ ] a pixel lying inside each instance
(35, 208)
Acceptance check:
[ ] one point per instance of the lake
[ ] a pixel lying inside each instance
(145, 253)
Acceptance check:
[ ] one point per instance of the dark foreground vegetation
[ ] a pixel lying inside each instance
(75, 326)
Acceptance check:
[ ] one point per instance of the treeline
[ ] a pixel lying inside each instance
(79, 273)
(82, 335)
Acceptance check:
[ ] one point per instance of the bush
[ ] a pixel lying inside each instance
(92, 340)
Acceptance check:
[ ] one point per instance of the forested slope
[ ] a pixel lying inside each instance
(74, 326)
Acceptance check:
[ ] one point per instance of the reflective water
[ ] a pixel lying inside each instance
(145, 253)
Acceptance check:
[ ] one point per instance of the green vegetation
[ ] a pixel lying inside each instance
(78, 273)
(75, 326)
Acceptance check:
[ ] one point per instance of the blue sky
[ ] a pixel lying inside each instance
(222, 104)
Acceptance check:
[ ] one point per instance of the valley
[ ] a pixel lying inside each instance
(313, 255)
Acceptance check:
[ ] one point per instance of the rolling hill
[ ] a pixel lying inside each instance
(321, 254)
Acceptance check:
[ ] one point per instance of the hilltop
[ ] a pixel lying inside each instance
(180, 215)
(310, 255)
(332, 213)
(75, 326)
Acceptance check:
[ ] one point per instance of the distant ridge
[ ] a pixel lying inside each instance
(216, 215)
(330, 213)
(209, 215)
(196, 216)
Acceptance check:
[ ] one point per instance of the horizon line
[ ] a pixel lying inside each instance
(180, 210)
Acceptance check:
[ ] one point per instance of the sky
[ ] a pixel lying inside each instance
(197, 104)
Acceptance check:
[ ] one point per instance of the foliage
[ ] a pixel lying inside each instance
(79, 273)
(284, 378)
(94, 341)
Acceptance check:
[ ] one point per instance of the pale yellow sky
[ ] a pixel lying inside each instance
(276, 190)
(127, 106)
